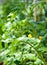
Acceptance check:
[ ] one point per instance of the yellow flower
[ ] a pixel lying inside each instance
(29, 36)
(40, 37)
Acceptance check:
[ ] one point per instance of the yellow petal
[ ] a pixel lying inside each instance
(40, 37)
(29, 36)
